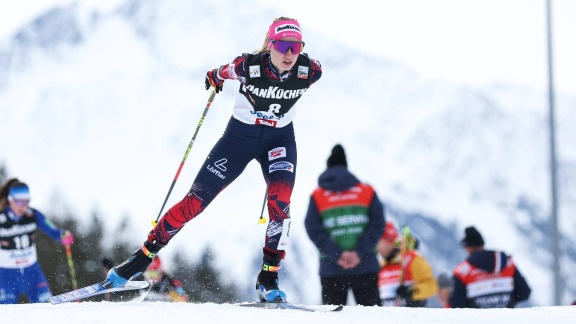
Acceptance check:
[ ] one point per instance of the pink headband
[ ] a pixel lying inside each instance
(285, 28)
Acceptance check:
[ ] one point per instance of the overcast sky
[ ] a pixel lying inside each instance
(474, 41)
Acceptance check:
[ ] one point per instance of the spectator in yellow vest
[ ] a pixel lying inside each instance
(403, 280)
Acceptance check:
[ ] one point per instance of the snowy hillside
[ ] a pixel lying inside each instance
(98, 109)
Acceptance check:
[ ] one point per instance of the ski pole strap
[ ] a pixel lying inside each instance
(271, 268)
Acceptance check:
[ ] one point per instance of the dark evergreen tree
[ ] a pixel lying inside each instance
(85, 252)
(52, 256)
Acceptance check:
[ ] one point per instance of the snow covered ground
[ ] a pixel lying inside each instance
(160, 312)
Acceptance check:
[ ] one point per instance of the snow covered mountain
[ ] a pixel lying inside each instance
(98, 109)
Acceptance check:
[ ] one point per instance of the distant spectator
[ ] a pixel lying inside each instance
(486, 279)
(404, 279)
(345, 218)
(441, 298)
(163, 287)
(20, 272)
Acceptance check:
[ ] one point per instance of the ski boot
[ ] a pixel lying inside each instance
(134, 265)
(267, 283)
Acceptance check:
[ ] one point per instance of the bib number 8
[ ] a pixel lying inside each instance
(274, 108)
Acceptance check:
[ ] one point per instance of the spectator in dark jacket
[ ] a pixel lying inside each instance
(487, 279)
(345, 219)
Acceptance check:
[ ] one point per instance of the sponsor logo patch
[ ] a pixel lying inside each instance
(273, 92)
(302, 72)
(266, 122)
(255, 71)
(220, 164)
(283, 27)
(216, 171)
(276, 153)
(281, 166)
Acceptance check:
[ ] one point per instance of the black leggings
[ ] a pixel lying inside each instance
(273, 148)
(364, 287)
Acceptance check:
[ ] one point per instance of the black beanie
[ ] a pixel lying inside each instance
(338, 157)
(472, 237)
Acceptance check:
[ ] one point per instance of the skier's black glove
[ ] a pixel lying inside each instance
(404, 291)
(213, 81)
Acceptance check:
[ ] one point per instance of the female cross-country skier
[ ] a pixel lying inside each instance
(272, 80)
(20, 272)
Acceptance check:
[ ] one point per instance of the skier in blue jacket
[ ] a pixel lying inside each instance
(20, 272)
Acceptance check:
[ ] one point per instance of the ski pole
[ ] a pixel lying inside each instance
(210, 99)
(262, 220)
(71, 265)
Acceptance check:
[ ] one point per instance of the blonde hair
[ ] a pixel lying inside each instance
(264, 48)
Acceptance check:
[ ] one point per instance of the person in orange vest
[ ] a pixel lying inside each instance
(344, 220)
(486, 279)
(405, 279)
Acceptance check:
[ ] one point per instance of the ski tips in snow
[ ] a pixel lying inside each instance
(94, 290)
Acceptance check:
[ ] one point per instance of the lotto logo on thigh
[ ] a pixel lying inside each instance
(276, 153)
(281, 166)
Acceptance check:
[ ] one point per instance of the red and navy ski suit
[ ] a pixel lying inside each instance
(260, 128)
